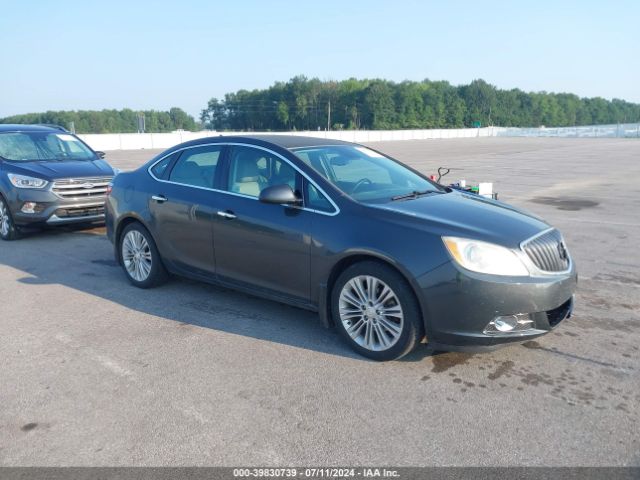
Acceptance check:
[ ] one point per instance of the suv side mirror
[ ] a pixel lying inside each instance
(279, 194)
(101, 154)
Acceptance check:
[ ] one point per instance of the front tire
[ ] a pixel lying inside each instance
(140, 258)
(376, 311)
(8, 229)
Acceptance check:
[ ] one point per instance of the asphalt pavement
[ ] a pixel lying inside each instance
(97, 372)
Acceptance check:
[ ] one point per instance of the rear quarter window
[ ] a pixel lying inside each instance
(160, 168)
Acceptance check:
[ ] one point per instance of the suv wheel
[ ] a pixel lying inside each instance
(8, 230)
(140, 258)
(376, 311)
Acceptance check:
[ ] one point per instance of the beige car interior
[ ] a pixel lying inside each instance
(253, 170)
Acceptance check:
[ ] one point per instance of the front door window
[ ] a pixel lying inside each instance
(251, 170)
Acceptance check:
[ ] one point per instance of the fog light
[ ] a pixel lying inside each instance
(509, 324)
(29, 207)
(506, 323)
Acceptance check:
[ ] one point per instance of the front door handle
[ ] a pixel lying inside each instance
(159, 198)
(229, 215)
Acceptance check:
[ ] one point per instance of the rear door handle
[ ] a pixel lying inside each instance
(159, 198)
(229, 215)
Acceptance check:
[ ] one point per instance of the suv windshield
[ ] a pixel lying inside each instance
(364, 174)
(30, 146)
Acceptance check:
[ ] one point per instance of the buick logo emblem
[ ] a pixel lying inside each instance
(562, 251)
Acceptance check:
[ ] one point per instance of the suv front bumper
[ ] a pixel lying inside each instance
(50, 209)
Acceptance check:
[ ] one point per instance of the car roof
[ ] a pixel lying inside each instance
(283, 141)
(9, 127)
(297, 141)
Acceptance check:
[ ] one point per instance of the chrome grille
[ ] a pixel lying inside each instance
(78, 188)
(548, 252)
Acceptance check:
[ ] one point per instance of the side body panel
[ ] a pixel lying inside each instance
(356, 231)
(183, 226)
(267, 246)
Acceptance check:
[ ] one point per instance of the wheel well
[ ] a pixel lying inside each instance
(345, 263)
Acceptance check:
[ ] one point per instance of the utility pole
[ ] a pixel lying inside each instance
(141, 122)
(329, 117)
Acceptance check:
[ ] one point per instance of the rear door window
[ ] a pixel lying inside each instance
(197, 166)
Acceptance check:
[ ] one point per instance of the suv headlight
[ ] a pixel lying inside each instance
(22, 181)
(485, 257)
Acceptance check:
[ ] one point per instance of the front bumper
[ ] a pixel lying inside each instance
(458, 305)
(54, 210)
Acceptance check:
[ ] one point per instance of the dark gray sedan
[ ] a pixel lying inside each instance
(380, 251)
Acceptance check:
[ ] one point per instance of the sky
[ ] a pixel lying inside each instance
(140, 54)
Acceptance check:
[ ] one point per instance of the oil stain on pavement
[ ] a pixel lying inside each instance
(566, 203)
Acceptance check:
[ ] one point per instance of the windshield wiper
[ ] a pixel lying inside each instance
(414, 194)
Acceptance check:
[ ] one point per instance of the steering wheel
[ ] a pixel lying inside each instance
(360, 183)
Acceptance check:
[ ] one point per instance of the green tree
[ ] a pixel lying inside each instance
(379, 105)
(283, 113)
(110, 121)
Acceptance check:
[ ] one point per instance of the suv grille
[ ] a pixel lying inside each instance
(77, 188)
(548, 252)
(77, 212)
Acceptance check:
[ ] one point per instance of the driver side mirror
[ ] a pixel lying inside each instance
(101, 155)
(279, 194)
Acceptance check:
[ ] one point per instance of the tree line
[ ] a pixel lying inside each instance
(311, 104)
(111, 121)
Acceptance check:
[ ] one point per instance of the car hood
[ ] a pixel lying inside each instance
(51, 170)
(469, 216)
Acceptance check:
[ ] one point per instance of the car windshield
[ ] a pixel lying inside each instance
(364, 174)
(34, 146)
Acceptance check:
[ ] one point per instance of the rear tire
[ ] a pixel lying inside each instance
(8, 229)
(376, 311)
(140, 258)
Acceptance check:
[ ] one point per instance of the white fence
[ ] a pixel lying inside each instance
(140, 141)
(620, 130)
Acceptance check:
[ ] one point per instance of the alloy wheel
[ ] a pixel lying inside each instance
(5, 219)
(136, 255)
(371, 313)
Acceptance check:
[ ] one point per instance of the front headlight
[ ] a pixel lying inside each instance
(22, 181)
(485, 257)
